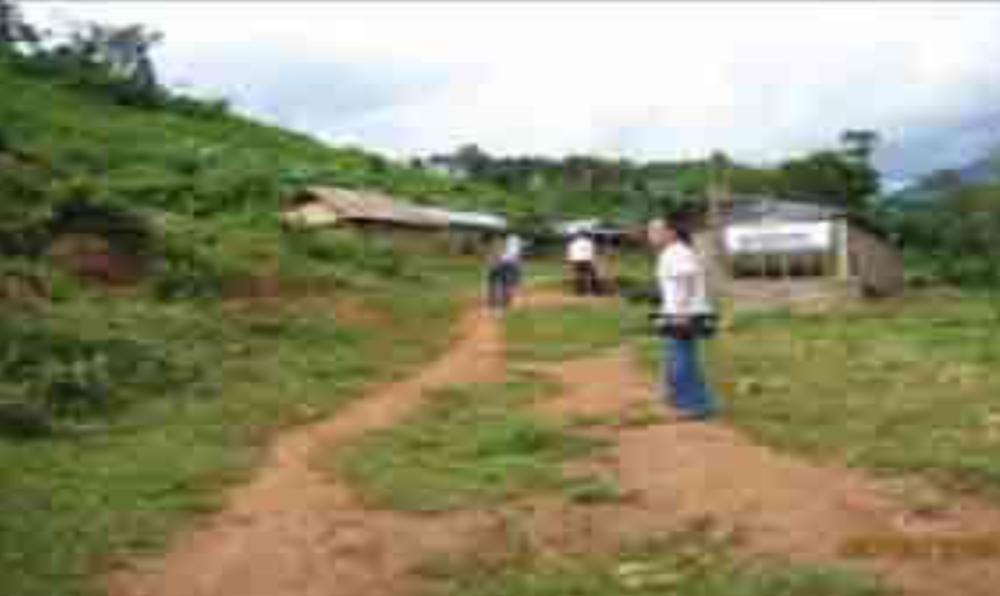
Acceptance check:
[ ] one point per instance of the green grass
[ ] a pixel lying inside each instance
(906, 387)
(558, 333)
(120, 483)
(595, 490)
(470, 447)
(190, 164)
(685, 564)
(144, 400)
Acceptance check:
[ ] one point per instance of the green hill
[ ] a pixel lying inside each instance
(127, 400)
(191, 157)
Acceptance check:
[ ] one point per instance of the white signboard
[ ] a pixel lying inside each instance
(780, 238)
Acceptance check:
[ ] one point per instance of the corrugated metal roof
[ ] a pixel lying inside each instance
(576, 226)
(470, 219)
(754, 208)
(331, 205)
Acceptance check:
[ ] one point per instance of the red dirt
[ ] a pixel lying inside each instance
(295, 531)
(684, 473)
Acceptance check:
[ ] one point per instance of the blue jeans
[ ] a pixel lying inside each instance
(685, 380)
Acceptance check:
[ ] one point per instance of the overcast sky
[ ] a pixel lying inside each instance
(761, 81)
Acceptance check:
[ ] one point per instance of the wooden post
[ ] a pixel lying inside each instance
(843, 250)
(718, 193)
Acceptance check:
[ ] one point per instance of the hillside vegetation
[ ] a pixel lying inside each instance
(157, 323)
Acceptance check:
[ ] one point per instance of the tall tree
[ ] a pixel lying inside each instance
(471, 159)
(123, 50)
(860, 144)
(13, 28)
(831, 177)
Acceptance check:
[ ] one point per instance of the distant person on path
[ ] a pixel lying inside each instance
(504, 275)
(582, 256)
(686, 317)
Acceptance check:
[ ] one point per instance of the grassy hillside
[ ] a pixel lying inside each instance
(188, 157)
(128, 399)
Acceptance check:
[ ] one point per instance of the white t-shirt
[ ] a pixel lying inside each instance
(513, 249)
(679, 263)
(581, 250)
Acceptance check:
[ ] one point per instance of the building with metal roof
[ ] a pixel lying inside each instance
(324, 206)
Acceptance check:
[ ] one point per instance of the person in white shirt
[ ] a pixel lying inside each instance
(582, 255)
(504, 274)
(513, 253)
(685, 304)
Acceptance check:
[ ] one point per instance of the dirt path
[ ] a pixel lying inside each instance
(295, 531)
(684, 474)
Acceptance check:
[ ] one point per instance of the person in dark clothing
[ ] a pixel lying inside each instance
(504, 274)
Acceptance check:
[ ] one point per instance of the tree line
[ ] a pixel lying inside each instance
(584, 185)
(113, 60)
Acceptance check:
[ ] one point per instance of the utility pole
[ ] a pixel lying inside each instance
(718, 192)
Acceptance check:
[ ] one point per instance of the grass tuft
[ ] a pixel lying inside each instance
(557, 333)
(471, 447)
(687, 564)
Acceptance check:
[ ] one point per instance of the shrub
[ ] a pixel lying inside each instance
(191, 266)
(126, 230)
(64, 375)
(26, 280)
(351, 253)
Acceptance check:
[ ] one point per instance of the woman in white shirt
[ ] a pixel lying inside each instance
(684, 292)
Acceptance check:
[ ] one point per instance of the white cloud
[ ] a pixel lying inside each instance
(640, 79)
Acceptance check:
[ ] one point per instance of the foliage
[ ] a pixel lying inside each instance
(63, 374)
(627, 192)
(955, 240)
(830, 177)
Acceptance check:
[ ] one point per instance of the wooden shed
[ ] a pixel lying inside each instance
(375, 213)
(327, 206)
(767, 238)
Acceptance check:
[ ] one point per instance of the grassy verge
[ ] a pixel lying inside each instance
(688, 564)
(906, 387)
(565, 332)
(472, 446)
(119, 484)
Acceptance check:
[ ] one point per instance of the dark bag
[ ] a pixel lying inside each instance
(696, 327)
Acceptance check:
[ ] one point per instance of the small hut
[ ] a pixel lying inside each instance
(374, 213)
(768, 238)
(323, 206)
